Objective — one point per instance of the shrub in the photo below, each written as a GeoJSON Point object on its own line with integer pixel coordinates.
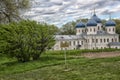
{"type": "Point", "coordinates": [25, 40]}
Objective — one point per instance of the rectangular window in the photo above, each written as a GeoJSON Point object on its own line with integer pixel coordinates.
{"type": "Point", "coordinates": [93, 40]}
{"type": "Point", "coordinates": [112, 40]}
{"type": "Point", "coordinates": [101, 40]}
{"type": "Point", "coordinates": [115, 39]}
{"type": "Point", "coordinates": [96, 40]}
{"type": "Point", "coordinates": [104, 40]}
{"type": "Point", "coordinates": [81, 42]}
{"type": "Point", "coordinates": [98, 28]}
{"type": "Point", "coordinates": [113, 29]}
{"type": "Point", "coordinates": [109, 29]}
{"type": "Point", "coordinates": [70, 43]}
{"type": "Point", "coordinates": [107, 40]}
{"type": "Point", "coordinates": [82, 30]}
{"type": "Point", "coordinates": [73, 42]}
{"type": "Point", "coordinates": [90, 29]}
{"type": "Point", "coordinates": [94, 29]}
{"type": "Point", "coordinates": [77, 42]}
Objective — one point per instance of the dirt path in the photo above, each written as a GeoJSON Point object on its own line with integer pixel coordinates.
{"type": "Point", "coordinates": [101, 55]}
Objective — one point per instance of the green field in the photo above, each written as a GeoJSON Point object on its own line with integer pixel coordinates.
{"type": "Point", "coordinates": [51, 67]}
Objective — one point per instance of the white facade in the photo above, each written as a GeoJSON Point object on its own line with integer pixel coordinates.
{"type": "Point", "coordinates": [80, 31]}
{"type": "Point", "coordinates": [92, 30]}
{"type": "Point", "coordinates": [90, 36]}
{"type": "Point", "coordinates": [110, 29]}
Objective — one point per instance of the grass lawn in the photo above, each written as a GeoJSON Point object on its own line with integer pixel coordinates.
{"type": "Point", "coordinates": [51, 67]}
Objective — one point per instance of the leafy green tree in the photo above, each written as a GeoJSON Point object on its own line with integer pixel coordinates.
{"type": "Point", "coordinates": [69, 28]}
{"type": "Point", "coordinates": [83, 20]}
{"type": "Point", "coordinates": [25, 40]}
{"type": "Point", "coordinates": [10, 10]}
{"type": "Point", "coordinates": [54, 29]}
{"type": "Point", "coordinates": [117, 26]}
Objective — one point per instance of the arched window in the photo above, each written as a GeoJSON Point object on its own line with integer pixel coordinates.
{"type": "Point", "coordinates": [101, 40]}
{"type": "Point", "coordinates": [73, 42]}
{"type": "Point", "coordinates": [90, 29]}
{"type": "Point", "coordinates": [98, 27]}
{"type": "Point", "coordinates": [113, 29]}
{"type": "Point", "coordinates": [93, 40]}
{"type": "Point", "coordinates": [77, 42]}
{"type": "Point", "coordinates": [112, 40]}
{"type": "Point", "coordinates": [70, 43]}
{"type": "Point", "coordinates": [107, 40]}
{"type": "Point", "coordinates": [96, 40]}
{"type": "Point", "coordinates": [94, 29]}
{"type": "Point", "coordinates": [104, 40]}
{"type": "Point", "coordinates": [82, 30]}
{"type": "Point", "coordinates": [81, 42]}
{"type": "Point", "coordinates": [109, 29]}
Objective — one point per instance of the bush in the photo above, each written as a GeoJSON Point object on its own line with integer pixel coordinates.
{"type": "Point", "coordinates": [25, 40]}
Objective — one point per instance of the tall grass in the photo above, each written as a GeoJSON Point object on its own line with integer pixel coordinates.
{"type": "Point", "coordinates": [77, 52]}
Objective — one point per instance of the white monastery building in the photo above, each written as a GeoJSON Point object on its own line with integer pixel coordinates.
{"type": "Point", "coordinates": [90, 35]}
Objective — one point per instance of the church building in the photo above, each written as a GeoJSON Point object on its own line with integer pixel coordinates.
{"type": "Point", "coordinates": [90, 35]}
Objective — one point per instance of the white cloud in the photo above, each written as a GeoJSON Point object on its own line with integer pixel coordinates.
{"type": "Point", "coordinates": [59, 12]}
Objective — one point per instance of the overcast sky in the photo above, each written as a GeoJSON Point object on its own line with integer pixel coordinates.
{"type": "Point", "coordinates": [59, 12]}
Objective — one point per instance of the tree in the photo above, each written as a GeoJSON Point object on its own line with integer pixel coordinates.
{"type": "Point", "coordinates": [69, 28]}
{"type": "Point", "coordinates": [54, 29]}
{"type": "Point", "coordinates": [10, 10]}
{"type": "Point", "coordinates": [117, 26]}
{"type": "Point", "coordinates": [25, 40]}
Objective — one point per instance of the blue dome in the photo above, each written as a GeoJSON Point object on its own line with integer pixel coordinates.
{"type": "Point", "coordinates": [80, 25]}
{"type": "Point", "coordinates": [91, 22]}
{"type": "Point", "coordinates": [110, 23]}
{"type": "Point", "coordinates": [96, 18]}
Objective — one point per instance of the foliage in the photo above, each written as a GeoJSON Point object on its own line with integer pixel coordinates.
{"type": "Point", "coordinates": [54, 29]}
{"type": "Point", "coordinates": [69, 28]}
{"type": "Point", "coordinates": [25, 40]}
{"type": "Point", "coordinates": [10, 10]}
{"type": "Point", "coordinates": [117, 26]}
